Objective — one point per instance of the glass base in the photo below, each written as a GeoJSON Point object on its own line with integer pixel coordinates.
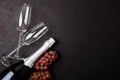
{"type": "Point", "coordinates": [4, 61]}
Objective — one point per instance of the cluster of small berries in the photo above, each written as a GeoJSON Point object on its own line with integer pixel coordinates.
{"type": "Point", "coordinates": [42, 65]}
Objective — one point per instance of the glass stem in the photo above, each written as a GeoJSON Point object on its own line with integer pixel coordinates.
{"type": "Point", "coordinates": [16, 50]}
{"type": "Point", "coordinates": [19, 44]}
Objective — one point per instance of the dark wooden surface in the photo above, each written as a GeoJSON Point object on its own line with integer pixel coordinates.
{"type": "Point", "coordinates": [87, 34]}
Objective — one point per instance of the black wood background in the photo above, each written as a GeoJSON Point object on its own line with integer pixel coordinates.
{"type": "Point", "coordinates": [87, 34]}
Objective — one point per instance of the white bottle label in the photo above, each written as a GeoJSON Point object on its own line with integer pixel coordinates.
{"type": "Point", "coordinates": [8, 76]}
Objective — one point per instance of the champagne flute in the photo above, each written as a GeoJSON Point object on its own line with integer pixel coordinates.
{"type": "Point", "coordinates": [28, 38]}
{"type": "Point", "coordinates": [24, 21]}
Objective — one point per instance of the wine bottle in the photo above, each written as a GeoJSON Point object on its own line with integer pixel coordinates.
{"type": "Point", "coordinates": [22, 69]}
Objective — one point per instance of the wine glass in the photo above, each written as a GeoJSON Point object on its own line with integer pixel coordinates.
{"type": "Point", "coordinates": [34, 34]}
{"type": "Point", "coordinates": [24, 21]}
{"type": "Point", "coordinates": [28, 38]}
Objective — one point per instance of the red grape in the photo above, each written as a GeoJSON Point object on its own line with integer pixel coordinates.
{"type": "Point", "coordinates": [42, 65]}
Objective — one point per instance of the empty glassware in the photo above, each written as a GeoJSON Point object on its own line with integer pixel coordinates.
{"type": "Point", "coordinates": [26, 37]}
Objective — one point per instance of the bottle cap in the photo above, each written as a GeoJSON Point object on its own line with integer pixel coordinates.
{"type": "Point", "coordinates": [51, 41]}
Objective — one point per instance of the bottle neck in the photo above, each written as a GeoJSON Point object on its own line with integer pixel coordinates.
{"type": "Point", "coordinates": [29, 61]}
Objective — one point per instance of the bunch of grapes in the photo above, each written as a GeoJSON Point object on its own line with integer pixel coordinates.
{"type": "Point", "coordinates": [46, 60]}
{"type": "Point", "coordinates": [42, 64]}
{"type": "Point", "coordinates": [40, 75]}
